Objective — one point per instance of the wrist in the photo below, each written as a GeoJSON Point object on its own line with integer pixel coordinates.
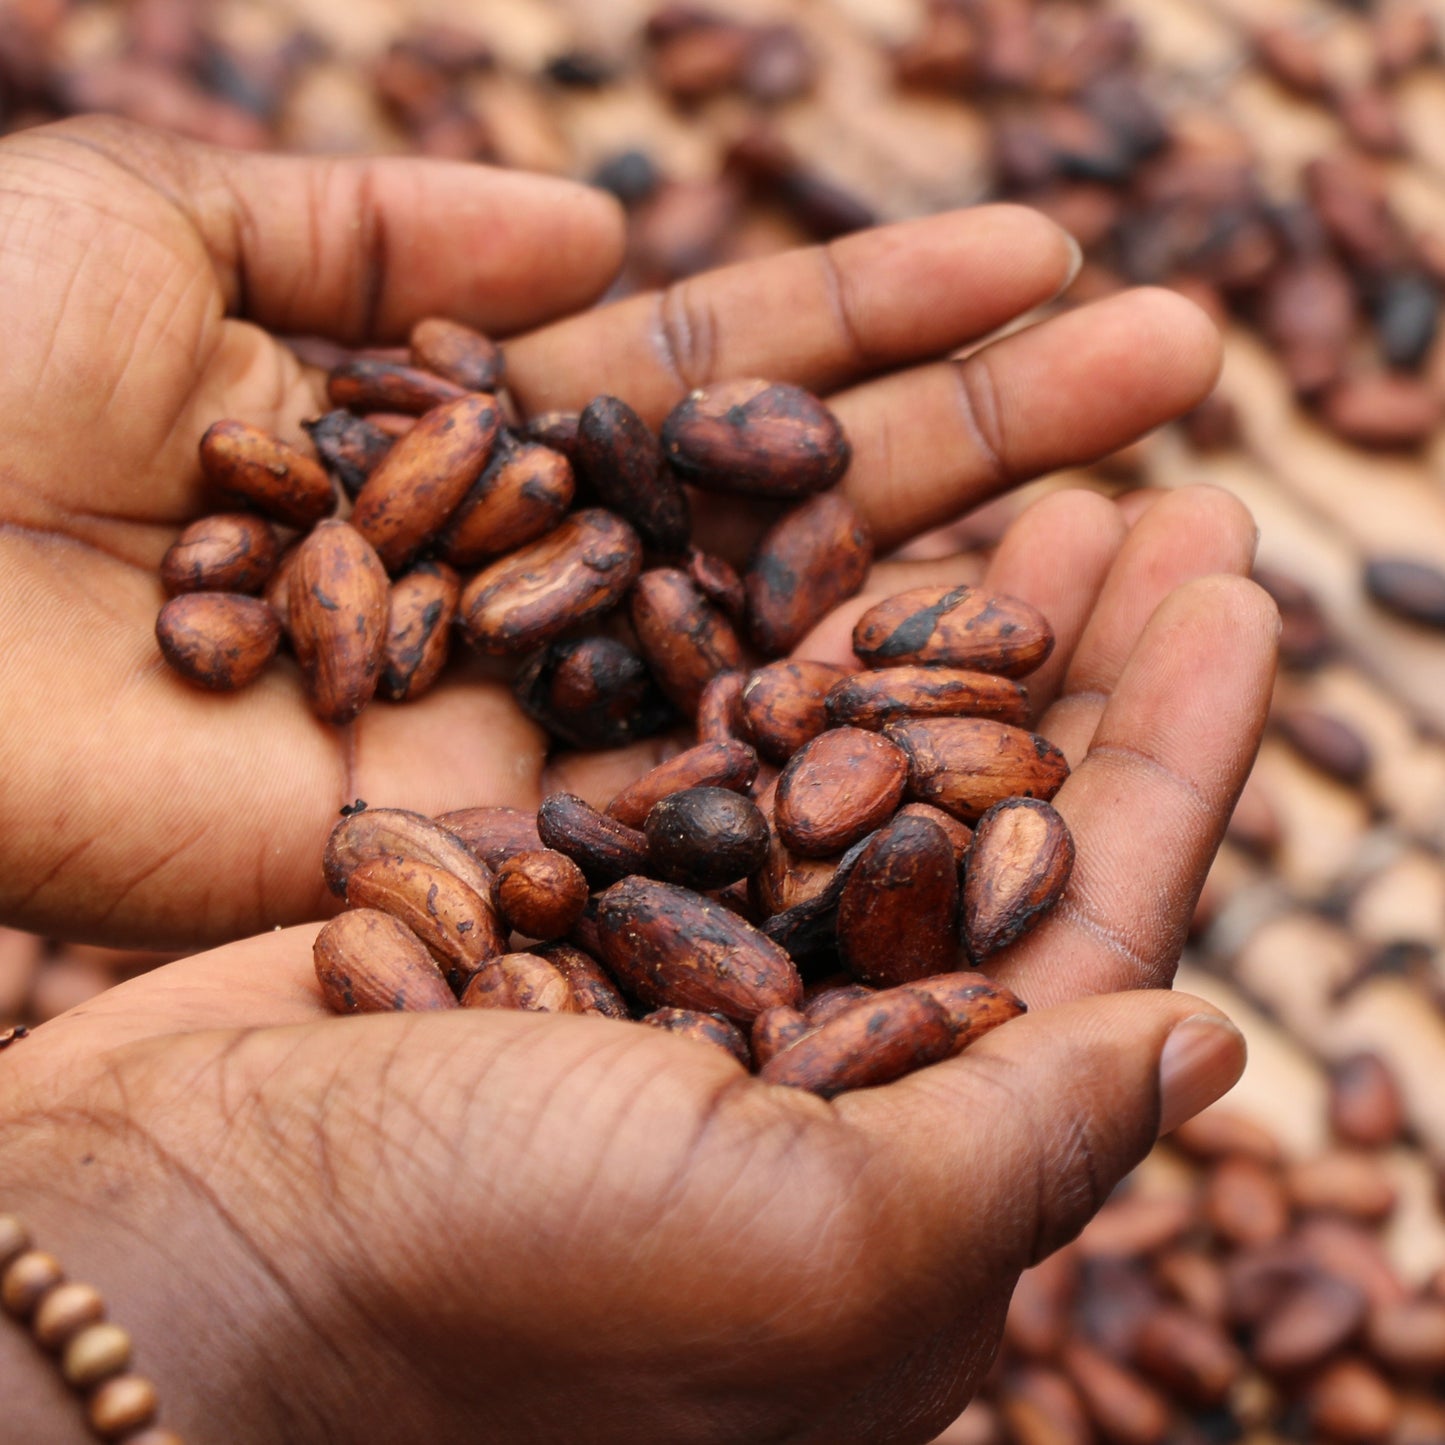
{"type": "Point", "coordinates": [217, 1336]}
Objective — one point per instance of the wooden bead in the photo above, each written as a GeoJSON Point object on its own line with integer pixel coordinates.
{"type": "Point", "coordinates": [14, 1238]}
{"type": "Point", "coordinates": [64, 1312]}
{"type": "Point", "coordinates": [122, 1405]}
{"type": "Point", "coordinates": [95, 1354]}
{"type": "Point", "coordinates": [28, 1278]}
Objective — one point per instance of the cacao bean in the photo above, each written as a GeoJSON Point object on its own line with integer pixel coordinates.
{"type": "Point", "coordinates": [1365, 1103]}
{"type": "Point", "coordinates": [218, 640]}
{"type": "Point", "coordinates": [774, 1030]}
{"type": "Point", "coordinates": [730, 765]}
{"type": "Point", "coordinates": [875, 699]}
{"type": "Point", "coordinates": [1307, 1324]}
{"type": "Point", "coordinates": [703, 1028]}
{"type": "Point", "coordinates": [783, 705]}
{"type": "Point", "coordinates": [454, 923]}
{"type": "Point", "coordinates": [592, 692]}
{"type": "Point", "coordinates": [683, 636]}
{"type": "Point", "coordinates": [457, 353]}
{"type": "Point", "coordinates": [1188, 1355]}
{"type": "Point", "coordinates": [719, 582]}
{"type": "Point", "coordinates": [523, 981]}
{"type": "Point", "coordinates": [623, 465]}
{"type": "Point", "coordinates": [838, 788]}
{"type": "Point", "coordinates": [493, 834]}
{"type": "Point", "coordinates": [877, 1040]}
{"type": "Point", "coordinates": [720, 709]}
{"type": "Point", "coordinates": [705, 837]}
{"type": "Point", "coordinates": [1340, 1181]}
{"type": "Point", "coordinates": [419, 619]}
{"type": "Point", "coordinates": [522, 494]}
{"type": "Point", "coordinates": [892, 1033]}
{"type": "Point", "coordinates": [246, 464]}
{"type": "Point", "coordinates": [805, 564]}
{"type": "Point", "coordinates": [542, 893]}
{"type": "Point", "coordinates": [368, 962]}
{"type": "Point", "coordinates": [786, 880]}
{"type": "Point", "coordinates": [397, 833]}
{"type": "Point", "coordinates": [594, 991]}
{"type": "Point", "coordinates": [229, 552]}
{"type": "Point", "coordinates": [671, 947]}
{"type": "Point", "coordinates": [898, 912]}
{"type": "Point", "coordinates": [760, 438]}
{"type": "Point", "coordinates": [603, 848]}
{"type": "Point", "coordinates": [1348, 1400]}
{"type": "Point", "coordinates": [557, 430]}
{"type": "Point", "coordinates": [337, 611]}
{"type": "Point", "coordinates": [1245, 1202]}
{"type": "Point", "coordinates": [1121, 1405]}
{"type": "Point", "coordinates": [960, 835]}
{"type": "Point", "coordinates": [421, 481]}
{"type": "Point", "coordinates": [1414, 590]}
{"type": "Point", "coordinates": [364, 384]}
{"type": "Point", "coordinates": [957, 627]}
{"type": "Point", "coordinates": [967, 765]}
{"type": "Point", "coordinates": [572, 575]}
{"type": "Point", "coordinates": [349, 446]}
{"type": "Point", "coordinates": [829, 1002]}
{"type": "Point", "coordinates": [1017, 868]}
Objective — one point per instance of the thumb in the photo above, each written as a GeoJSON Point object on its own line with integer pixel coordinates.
{"type": "Point", "coordinates": [1005, 1153]}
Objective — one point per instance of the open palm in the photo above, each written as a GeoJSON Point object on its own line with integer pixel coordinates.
{"type": "Point", "coordinates": [136, 276]}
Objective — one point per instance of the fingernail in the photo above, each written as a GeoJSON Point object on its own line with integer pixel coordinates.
{"type": "Point", "coordinates": [1203, 1058]}
{"type": "Point", "coordinates": [1076, 261]}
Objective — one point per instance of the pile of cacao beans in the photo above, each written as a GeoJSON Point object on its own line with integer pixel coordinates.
{"type": "Point", "coordinates": [1232, 1293]}
{"type": "Point", "coordinates": [826, 871]}
{"type": "Point", "coordinates": [1322, 928]}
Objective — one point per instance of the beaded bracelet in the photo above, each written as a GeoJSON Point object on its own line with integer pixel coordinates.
{"type": "Point", "coordinates": [68, 1318]}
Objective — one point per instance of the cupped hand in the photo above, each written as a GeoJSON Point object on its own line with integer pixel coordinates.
{"type": "Point", "coordinates": [486, 1225]}
{"type": "Point", "coordinates": [143, 281]}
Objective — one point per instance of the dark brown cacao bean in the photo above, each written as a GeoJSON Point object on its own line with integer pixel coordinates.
{"type": "Point", "coordinates": [875, 699]}
{"type": "Point", "coordinates": [804, 565]}
{"type": "Point", "coordinates": [783, 705]}
{"type": "Point", "coordinates": [522, 494]}
{"type": "Point", "coordinates": [623, 465]}
{"type": "Point", "coordinates": [603, 848]}
{"type": "Point", "coordinates": [573, 575]}
{"type": "Point", "coordinates": [218, 640]}
{"type": "Point", "coordinates": [229, 552]}
{"type": "Point", "coordinates": [966, 765]}
{"type": "Point", "coordinates": [705, 838]}
{"type": "Point", "coordinates": [762, 438]}
{"type": "Point", "coordinates": [592, 692]}
{"type": "Point", "coordinates": [367, 385]}
{"type": "Point", "coordinates": [419, 621]}
{"type": "Point", "coordinates": [703, 1028]}
{"type": "Point", "coordinates": [898, 913]}
{"type": "Point", "coordinates": [836, 789]}
{"type": "Point", "coordinates": [349, 446]}
{"type": "Point", "coordinates": [731, 765]}
{"type": "Point", "coordinates": [684, 637]}
{"type": "Point", "coordinates": [960, 627]}
{"type": "Point", "coordinates": [671, 947]}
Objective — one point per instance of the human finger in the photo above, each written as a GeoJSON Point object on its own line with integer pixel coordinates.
{"type": "Point", "coordinates": [821, 317]}
{"type": "Point", "coordinates": [1148, 804]}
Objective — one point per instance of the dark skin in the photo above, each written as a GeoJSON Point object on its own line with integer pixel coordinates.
{"type": "Point", "coordinates": [543, 1228]}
